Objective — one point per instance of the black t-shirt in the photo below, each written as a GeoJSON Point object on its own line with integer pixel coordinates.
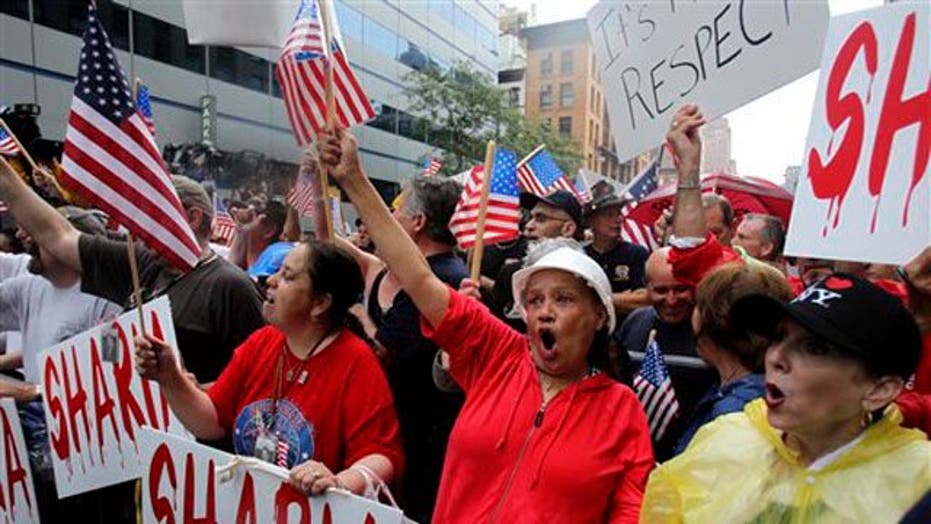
{"type": "Point", "coordinates": [215, 306]}
{"type": "Point", "coordinates": [689, 375]}
{"type": "Point", "coordinates": [497, 255]}
{"type": "Point", "coordinates": [623, 265]}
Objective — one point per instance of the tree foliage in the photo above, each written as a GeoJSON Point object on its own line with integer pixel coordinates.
{"type": "Point", "coordinates": [464, 109]}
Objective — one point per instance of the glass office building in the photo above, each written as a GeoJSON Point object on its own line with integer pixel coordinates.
{"type": "Point", "coordinates": [384, 39]}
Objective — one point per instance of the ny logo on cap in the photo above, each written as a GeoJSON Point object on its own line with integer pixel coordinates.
{"type": "Point", "coordinates": [821, 296]}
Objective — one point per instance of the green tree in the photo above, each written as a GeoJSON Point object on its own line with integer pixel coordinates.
{"type": "Point", "coordinates": [462, 109]}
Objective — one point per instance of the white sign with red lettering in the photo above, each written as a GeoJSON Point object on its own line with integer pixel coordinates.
{"type": "Point", "coordinates": [184, 481]}
{"type": "Point", "coordinates": [655, 56]}
{"type": "Point", "coordinates": [95, 402]}
{"type": "Point", "coordinates": [863, 193]}
{"type": "Point", "coordinates": [17, 494]}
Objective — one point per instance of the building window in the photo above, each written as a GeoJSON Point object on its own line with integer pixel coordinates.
{"type": "Point", "coordinates": [566, 95]}
{"type": "Point", "coordinates": [17, 8]}
{"type": "Point", "coordinates": [566, 62]}
{"type": "Point", "coordinates": [464, 22]}
{"type": "Point", "coordinates": [166, 43]}
{"type": "Point", "coordinates": [594, 66]}
{"type": "Point", "coordinates": [592, 98]}
{"type": "Point", "coordinates": [565, 126]}
{"type": "Point", "coordinates": [442, 9]}
{"type": "Point", "coordinates": [240, 68]}
{"type": "Point", "coordinates": [591, 132]}
{"type": "Point", "coordinates": [350, 20]}
{"type": "Point", "coordinates": [71, 17]}
{"type": "Point", "coordinates": [380, 38]}
{"type": "Point", "coordinates": [386, 117]}
{"type": "Point", "coordinates": [546, 97]}
{"type": "Point", "coordinates": [546, 65]}
{"type": "Point", "coordinates": [514, 96]}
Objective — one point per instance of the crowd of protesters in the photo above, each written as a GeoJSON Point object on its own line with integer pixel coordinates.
{"type": "Point", "coordinates": [380, 365]}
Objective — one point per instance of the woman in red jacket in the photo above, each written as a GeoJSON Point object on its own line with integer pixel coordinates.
{"type": "Point", "coordinates": [543, 435]}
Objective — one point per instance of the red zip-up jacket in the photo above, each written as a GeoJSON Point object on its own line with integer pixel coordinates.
{"type": "Point", "coordinates": [584, 458]}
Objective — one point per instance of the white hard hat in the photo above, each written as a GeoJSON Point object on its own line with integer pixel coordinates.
{"type": "Point", "coordinates": [580, 265]}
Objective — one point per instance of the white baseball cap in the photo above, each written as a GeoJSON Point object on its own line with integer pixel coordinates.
{"type": "Point", "coordinates": [572, 261]}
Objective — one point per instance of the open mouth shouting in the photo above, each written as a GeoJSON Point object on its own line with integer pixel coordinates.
{"type": "Point", "coordinates": [774, 396]}
{"type": "Point", "coordinates": [547, 343]}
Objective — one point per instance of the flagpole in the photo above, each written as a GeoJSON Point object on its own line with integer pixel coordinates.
{"type": "Point", "coordinates": [528, 157]}
{"type": "Point", "coordinates": [327, 225]}
{"type": "Point", "coordinates": [479, 249]}
{"type": "Point", "coordinates": [131, 251]}
{"type": "Point", "coordinates": [21, 148]}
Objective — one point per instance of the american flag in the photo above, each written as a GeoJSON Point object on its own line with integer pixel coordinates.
{"type": "Point", "coordinates": [431, 166]}
{"type": "Point", "coordinates": [145, 108]}
{"type": "Point", "coordinates": [223, 225]}
{"type": "Point", "coordinates": [642, 185]}
{"type": "Point", "coordinates": [654, 389]}
{"type": "Point", "coordinates": [301, 73]}
{"type": "Point", "coordinates": [281, 452]}
{"type": "Point", "coordinates": [539, 174]}
{"type": "Point", "coordinates": [8, 146]}
{"type": "Point", "coordinates": [503, 211]}
{"type": "Point", "coordinates": [581, 190]}
{"type": "Point", "coordinates": [111, 159]}
{"type": "Point", "coordinates": [301, 196]}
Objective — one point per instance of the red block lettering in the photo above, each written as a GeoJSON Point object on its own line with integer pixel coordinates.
{"type": "Point", "coordinates": [123, 373]}
{"type": "Point", "coordinates": [211, 511]}
{"type": "Point", "coordinates": [832, 180]}
{"type": "Point", "coordinates": [15, 473]}
{"type": "Point", "coordinates": [158, 333]}
{"type": "Point", "coordinates": [76, 399]}
{"type": "Point", "coordinates": [369, 519]}
{"type": "Point", "coordinates": [103, 404]}
{"type": "Point", "coordinates": [162, 464]}
{"type": "Point", "coordinates": [327, 513]}
{"type": "Point", "coordinates": [245, 514]}
{"type": "Point", "coordinates": [59, 438]}
{"type": "Point", "coordinates": [285, 497]}
{"type": "Point", "coordinates": [897, 114]}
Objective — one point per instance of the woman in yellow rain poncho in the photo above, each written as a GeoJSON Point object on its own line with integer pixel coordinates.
{"type": "Point", "coordinates": [825, 444]}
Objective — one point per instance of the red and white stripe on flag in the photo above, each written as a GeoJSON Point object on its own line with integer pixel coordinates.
{"type": "Point", "coordinates": [301, 73]}
{"type": "Point", "coordinates": [111, 159]}
{"type": "Point", "coordinates": [8, 146]}
{"type": "Point", "coordinates": [301, 196]}
{"type": "Point", "coordinates": [501, 218]}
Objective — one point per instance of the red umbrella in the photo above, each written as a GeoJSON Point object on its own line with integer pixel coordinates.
{"type": "Point", "coordinates": [746, 195]}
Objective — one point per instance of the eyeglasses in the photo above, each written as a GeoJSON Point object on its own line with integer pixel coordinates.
{"type": "Point", "coordinates": [543, 217]}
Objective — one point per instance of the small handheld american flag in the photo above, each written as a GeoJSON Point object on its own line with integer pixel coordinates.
{"type": "Point", "coordinates": [503, 210]}
{"type": "Point", "coordinates": [654, 389]}
{"type": "Point", "coordinates": [539, 174]}
{"type": "Point", "coordinates": [642, 185]}
{"type": "Point", "coordinates": [145, 107]}
{"type": "Point", "coordinates": [224, 227]}
{"type": "Point", "coordinates": [431, 166]}
{"type": "Point", "coordinates": [8, 146]}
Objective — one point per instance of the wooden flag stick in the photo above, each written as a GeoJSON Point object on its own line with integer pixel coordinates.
{"type": "Point", "coordinates": [479, 249]}
{"type": "Point", "coordinates": [528, 157]}
{"type": "Point", "coordinates": [131, 252]}
{"type": "Point", "coordinates": [326, 226]}
{"type": "Point", "coordinates": [22, 149]}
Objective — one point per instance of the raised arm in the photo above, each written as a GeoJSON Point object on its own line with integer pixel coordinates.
{"type": "Point", "coordinates": [47, 227]}
{"type": "Point", "coordinates": [689, 216]}
{"type": "Point", "coordinates": [339, 153]}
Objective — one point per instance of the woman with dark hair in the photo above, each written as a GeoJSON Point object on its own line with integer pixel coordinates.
{"type": "Point", "coordinates": [543, 434]}
{"type": "Point", "coordinates": [305, 379]}
{"type": "Point", "coordinates": [735, 353]}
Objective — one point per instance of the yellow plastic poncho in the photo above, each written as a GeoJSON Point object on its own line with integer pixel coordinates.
{"type": "Point", "coordinates": [737, 469]}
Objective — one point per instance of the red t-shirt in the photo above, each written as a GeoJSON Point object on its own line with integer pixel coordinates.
{"type": "Point", "coordinates": [586, 460]}
{"type": "Point", "coordinates": [342, 412]}
{"type": "Point", "coordinates": [690, 265]}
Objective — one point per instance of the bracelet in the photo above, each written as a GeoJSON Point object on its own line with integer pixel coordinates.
{"type": "Point", "coordinates": [693, 185]}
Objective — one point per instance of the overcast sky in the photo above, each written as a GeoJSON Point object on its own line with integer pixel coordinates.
{"type": "Point", "coordinates": [784, 113]}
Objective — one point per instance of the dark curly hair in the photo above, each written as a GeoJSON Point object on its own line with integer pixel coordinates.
{"type": "Point", "coordinates": [333, 271]}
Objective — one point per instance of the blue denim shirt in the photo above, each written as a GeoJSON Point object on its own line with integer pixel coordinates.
{"type": "Point", "coordinates": [722, 400]}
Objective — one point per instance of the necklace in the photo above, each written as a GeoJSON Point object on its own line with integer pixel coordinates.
{"type": "Point", "coordinates": [292, 372]}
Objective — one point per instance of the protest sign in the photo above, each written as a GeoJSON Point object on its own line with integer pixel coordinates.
{"type": "Point", "coordinates": [863, 193]}
{"type": "Point", "coordinates": [655, 56]}
{"type": "Point", "coordinates": [95, 402]}
{"type": "Point", "coordinates": [184, 481]}
{"type": "Point", "coordinates": [17, 493]}
{"type": "Point", "coordinates": [242, 23]}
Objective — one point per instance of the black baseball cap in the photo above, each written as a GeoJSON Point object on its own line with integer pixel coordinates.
{"type": "Point", "coordinates": [850, 313]}
{"type": "Point", "coordinates": [560, 199]}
